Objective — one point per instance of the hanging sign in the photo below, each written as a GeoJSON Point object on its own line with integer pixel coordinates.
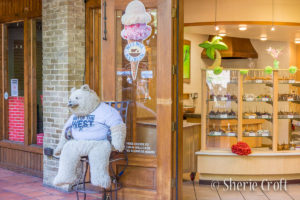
{"type": "Point", "coordinates": [134, 52]}
{"type": "Point", "coordinates": [14, 87]}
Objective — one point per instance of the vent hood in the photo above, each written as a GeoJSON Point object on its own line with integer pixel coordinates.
{"type": "Point", "coordinates": [238, 48]}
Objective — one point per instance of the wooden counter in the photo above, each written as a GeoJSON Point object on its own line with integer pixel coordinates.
{"type": "Point", "coordinates": [218, 165]}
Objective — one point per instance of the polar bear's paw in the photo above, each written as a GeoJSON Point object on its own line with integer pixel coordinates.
{"type": "Point", "coordinates": [103, 181]}
{"type": "Point", "coordinates": [59, 181]}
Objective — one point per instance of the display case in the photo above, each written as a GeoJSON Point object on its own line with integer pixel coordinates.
{"type": "Point", "coordinates": [257, 108]}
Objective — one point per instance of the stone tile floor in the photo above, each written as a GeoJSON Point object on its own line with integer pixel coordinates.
{"type": "Point", "coordinates": [205, 192]}
{"type": "Point", "coordinates": [15, 186]}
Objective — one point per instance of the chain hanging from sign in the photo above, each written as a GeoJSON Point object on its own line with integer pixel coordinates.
{"type": "Point", "coordinates": [135, 31]}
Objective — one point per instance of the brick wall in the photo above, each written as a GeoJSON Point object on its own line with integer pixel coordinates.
{"type": "Point", "coordinates": [63, 68]}
{"type": "Point", "coordinates": [16, 118]}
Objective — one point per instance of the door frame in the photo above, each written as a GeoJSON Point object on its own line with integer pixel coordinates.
{"type": "Point", "coordinates": [29, 155]}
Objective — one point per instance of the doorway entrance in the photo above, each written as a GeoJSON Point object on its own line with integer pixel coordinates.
{"type": "Point", "coordinates": [21, 102]}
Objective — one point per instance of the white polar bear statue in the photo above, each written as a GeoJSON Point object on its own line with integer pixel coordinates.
{"type": "Point", "coordinates": [92, 122]}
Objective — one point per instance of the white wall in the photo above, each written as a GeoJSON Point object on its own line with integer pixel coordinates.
{"type": "Point", "coordinates": [196, 64]}
{"type": "Point", "coordinates": [241, 10]}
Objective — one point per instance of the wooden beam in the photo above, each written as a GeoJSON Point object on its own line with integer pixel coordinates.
{"type": "Point", "coordinates": [275, 110]}
{"type": "Point", "coordinates": [33, 82]}
{"type": "Point", "coordinates": [240, 107]}
{"type": "Point", "coordinates": [27, 87]}
{"type": "Point", "coordinates": [108, 57]}
{"type": "Point", "coordinates": [4, 82]}
{"type": "Point", "coordinates": [164, 99]}
{"type": "Point", "coordinates": [204, 107]}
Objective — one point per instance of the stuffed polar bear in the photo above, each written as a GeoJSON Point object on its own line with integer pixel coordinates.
{"type": "Point", "coordinates": [92, 122]}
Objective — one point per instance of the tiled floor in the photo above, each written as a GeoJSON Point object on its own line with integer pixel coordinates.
{"type": "Point", "coordinates": [15, 186]}
{"type": "Point", "coordinates": [205, 192]}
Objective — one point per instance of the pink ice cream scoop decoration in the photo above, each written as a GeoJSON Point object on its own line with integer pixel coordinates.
{"type": "Point", "coordinates": [135, 30]}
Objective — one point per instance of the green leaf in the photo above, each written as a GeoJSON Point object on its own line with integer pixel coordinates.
{"type": "Point", "coordinates": [220, 46]}
{"type": "Point", "coordinates": [205, 45]}
{"type": "Point", "coordinates": [210, 52]}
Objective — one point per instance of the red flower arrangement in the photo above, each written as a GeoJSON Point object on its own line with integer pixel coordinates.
{"type": "Point", "coordinates": [241, 148]}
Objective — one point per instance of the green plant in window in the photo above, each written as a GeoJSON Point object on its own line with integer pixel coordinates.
{"type": "Point", "coordinates": [212, 49]}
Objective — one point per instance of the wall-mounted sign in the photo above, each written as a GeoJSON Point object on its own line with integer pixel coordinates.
{"type": "Point", "coordinates": [134, 52]}
{"type": "Point", "coordinates": [14, 87]}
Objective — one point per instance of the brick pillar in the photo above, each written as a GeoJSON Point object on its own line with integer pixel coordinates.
{"type": "Point", "coordinates": [63, 68]}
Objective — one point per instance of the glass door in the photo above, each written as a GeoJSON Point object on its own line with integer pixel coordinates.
{"type": "Point", "coordinates": [147, 84]}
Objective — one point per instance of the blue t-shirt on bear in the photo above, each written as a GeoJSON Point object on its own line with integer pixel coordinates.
{"type": "Point", "coordinates": [96, 125]}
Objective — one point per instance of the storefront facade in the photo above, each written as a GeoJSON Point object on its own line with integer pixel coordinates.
{"type": "Point", "coordinates": [81, 43]}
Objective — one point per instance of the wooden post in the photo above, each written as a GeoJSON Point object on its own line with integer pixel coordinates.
{"type": "Point", "coordinates": [275, 110]}
{"type": "Point", "coordinates": [204, 111]}
{"type": "Point", "coordinates": [240, 108]}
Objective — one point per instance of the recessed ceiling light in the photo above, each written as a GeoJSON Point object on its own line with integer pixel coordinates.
{"type": "Point", "coordinates": [217, 28]}
{"type": "Point", "coordinates": [222, 34]}
{"type": "Point", "coordinates": [273, 28]}
{"type": "Point", "coordinates": [263, 38]}
{"type": "Point", "coordinates": [297, 41]}
{"type": "Point", "coordinates": [242, 27]}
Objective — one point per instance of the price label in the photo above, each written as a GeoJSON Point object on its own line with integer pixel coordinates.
{"type": "Point", "coordinates": [265, 116]}
{"type": "Point", "coordinates": [223, 116]}
{"type": "Point", "coordinates": [217, 133]}
{"type": "Point", "coordinates": [290, 99]}
{"type": "Point", "coordinates": [252, 117]}
{"type": "Point", "coordinates": [224, 98]}
{"type": "Point", "coordinates": [259, 81]}
{"type": "Point", "coordinates": [265, 134]}
{"type": "Point", "coordinates": [231, 134]}
{"type": "Point", "coordinates": [265, 99]}
{"type": "Point", "coordinates": [292, 81]}
{"type": "Point", "coordinates": [290, 116]}
{"type": "Point", "coordinates": [252, 134]}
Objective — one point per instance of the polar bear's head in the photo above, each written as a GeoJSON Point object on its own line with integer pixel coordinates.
{"type": "Point", "coordinates": [83, 101]}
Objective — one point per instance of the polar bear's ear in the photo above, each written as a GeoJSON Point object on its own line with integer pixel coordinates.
{"type": "Point", "coordinates": [73, 89]}
{"type": "Point", "coordinates": [85, 87]}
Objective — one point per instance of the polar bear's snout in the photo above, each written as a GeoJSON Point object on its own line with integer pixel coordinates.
{"type": "Point", "coordinates": [72, 104]}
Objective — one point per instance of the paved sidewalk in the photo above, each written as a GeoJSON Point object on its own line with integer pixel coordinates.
{"type": "Point", "coordinates": [15, 186]}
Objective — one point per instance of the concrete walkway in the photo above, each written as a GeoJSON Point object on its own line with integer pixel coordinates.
{"type": "Point", "coordinates": [15, 186]}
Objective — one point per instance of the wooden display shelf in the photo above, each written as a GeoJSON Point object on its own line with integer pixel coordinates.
{"type": "Point", "coordinates": [234, 122]}
{"type": "Point", "coordinates": [239, 122]}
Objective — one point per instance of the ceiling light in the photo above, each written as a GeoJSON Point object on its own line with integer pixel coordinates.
{"type": "Point", "coordinates": [242, 27]}
{"type": "Point", "coordinates": [222, 34]}
{"type": "Point", "coordinates": [273, 28]}
{"type": "Point", "coordinates": [263, 38]}
{"type": "Point", "coordinates": [297, 41]}
{"type": "Point", "coordinates": [217, 28]}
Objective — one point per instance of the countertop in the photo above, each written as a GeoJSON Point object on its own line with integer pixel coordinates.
{"type": "Point", "coordinates": [228, 153]}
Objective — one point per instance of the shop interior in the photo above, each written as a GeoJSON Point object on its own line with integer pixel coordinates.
{"type": "Point", "coordinates": [250, 100]}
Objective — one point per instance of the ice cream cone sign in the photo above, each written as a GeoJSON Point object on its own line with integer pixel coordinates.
{"type": "Point", "coordinates": [135, 31]}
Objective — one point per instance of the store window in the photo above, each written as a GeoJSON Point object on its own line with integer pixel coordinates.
{"type": "Point", "coordinates": [15, 92]}
{"type": "Point", "coordinates": [141, 92]}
